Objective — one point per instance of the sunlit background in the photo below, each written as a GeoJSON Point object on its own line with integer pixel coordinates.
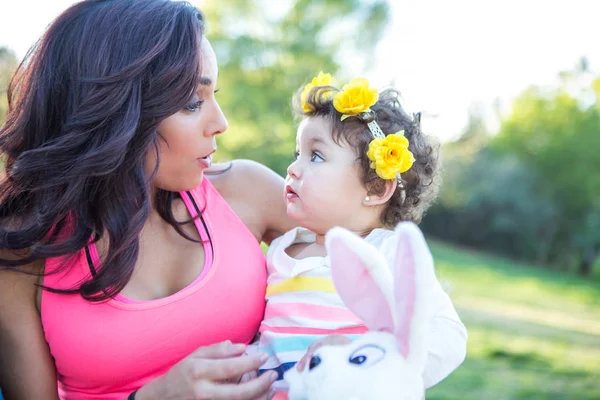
{"type": "Point", "coordinates": [512, 90]}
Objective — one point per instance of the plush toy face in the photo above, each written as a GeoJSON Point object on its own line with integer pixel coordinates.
{"type": "Point", "coordinates": [334, 371]}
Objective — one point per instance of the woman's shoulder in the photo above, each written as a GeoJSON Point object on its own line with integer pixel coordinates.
{"type": "Point", "coordinates": [26, 355]}
{"type": "Point", "coordinates": [242, 175]}
{"type": "Point", "coordinates": [255, 193]}
{"type": "Point", "coordinates": [20, 285]}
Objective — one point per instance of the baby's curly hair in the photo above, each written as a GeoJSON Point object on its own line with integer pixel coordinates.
{"type": "Point", "coordinates": [421, 182]}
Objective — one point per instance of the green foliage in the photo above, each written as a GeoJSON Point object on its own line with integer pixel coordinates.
{"type": "Point", "coordinates": [499, 210]}
{"type": "Point", "coordinates": [8, 64]}
{"type": "Point", "coordinates": [558, 137]}
{"type": "Point", "coordinates": [266, 52]}
{"type": "Point", "coordinates": [532, 191]}
{"type": "Point", "coordinates": [556, 133]}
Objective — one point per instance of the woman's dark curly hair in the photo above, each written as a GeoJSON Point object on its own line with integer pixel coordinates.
{"type": "Point", "coordinates": [421, 181]}
{"type": "Point", "coordinates": [84, 107]}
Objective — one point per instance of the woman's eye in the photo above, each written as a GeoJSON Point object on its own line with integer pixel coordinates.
{"type": "Point", "coordinates": [194, 106]}
{"type": "Point", "coordinates": [366, 356]}
{"type": "Point", "coordinates": [316, 157]}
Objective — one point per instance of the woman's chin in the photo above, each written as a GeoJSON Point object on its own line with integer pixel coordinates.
{"type": "Point", "coordinates": [181, 185]}
{"type": "Point", "coordinates": [193, 184]}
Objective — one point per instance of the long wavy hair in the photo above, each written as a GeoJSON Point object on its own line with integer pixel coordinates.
{"type": "Point", "coordinates": [84, 106]}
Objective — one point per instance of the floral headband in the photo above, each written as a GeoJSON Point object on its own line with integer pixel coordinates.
{"type": "Point", "coordinates": [389, 154]}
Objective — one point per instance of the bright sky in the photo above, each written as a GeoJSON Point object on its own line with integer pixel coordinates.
{"type": "Point", "coordinates": [449, 54]}
{"type": "Point", "coordinates": [444, 55]}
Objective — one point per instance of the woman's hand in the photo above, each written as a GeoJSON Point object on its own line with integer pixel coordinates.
{"type": "Point", "coordinates": [331, 340]}
{"type": "Point", "coordinates": [205, 375]}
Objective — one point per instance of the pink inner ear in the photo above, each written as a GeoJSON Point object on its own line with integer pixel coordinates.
{"type": "Point", "coordinates": [357, 288]}
{"type": "Point", "coordinates": [405, 292]}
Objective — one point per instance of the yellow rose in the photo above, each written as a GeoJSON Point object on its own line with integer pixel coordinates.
{"type": "Point", "coordinates": [319, 80]}
{"type": "Point", "coordinates": [355, 97]}
{"type": "Point", "coordinates": [390, 156]}
{"type": "Point", "coordinates": [322, 80]}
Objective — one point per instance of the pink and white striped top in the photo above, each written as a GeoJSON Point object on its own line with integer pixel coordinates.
{"type": "Point", "coordinates": [303, 306]}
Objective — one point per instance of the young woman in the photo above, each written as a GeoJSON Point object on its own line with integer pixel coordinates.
{"type": "Point", "coordinates": [124, 271]}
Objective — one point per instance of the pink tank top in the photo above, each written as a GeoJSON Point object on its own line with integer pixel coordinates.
{"type": "Point", "coordinates": [107, 350]}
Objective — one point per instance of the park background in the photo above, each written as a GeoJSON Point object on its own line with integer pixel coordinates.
{"type": "Point", "coordinates": [512, 91]}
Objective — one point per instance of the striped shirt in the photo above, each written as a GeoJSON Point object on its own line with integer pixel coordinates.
{"type": "Point", "coordinates": [302, 303]}
{"type": "Point", "coordinates": [303, 306]}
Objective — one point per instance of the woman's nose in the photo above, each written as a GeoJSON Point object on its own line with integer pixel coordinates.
{"type": "Point", "coordinates": [219, 123]}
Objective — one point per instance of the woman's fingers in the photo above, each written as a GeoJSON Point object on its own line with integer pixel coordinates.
{"type": "Point", "coordinates": [252, 389]}
{"type": "Point", "coordinates": [228, 368]}
{"type": "Point", "coordinates": [224, 349]}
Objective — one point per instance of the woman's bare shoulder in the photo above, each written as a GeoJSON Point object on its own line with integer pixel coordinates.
{"type": "Point", "coordinates": [255, 192]}
{"type": "Point", "coordinates": [239, 175]}
{"type": "Point", "coordinates": [20, 284]}
{"type": "Point", "coordinates": [26, 361]}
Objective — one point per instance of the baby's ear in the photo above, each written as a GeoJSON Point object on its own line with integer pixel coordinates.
{"type": "Point", "coordinates": [362, 278]}
{"type": "Point", "coordinates": [388, 191]}
{"type": "Point", "coordinates": [413, 275]}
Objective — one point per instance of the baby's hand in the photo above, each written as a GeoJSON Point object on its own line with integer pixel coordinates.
{"type": "Point", "coordinates": [331, 340]}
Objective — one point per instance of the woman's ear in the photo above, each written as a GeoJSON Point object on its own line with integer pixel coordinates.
{"type": "Point", "coordinates": [389, 187]}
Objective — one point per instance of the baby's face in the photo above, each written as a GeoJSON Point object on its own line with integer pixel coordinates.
{"type": "Point", "coordinates": [323, 186]}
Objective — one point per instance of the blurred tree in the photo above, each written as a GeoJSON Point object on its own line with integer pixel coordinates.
{"type": "Point", "coordinates": [267, 49]}
{"type": "Point", "coordinates": [8, 64]}
{"type": "Point", "coordinates": [556, 133]}
{"type": "Point", "coordinates": [532, 191]}
{"type": "Point", "coordinates": [488, 198]}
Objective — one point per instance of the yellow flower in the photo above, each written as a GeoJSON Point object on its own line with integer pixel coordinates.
{"type": "Point", "coordinates": [322, 80]}
{"type": "Point", "coordinates": [355, 97]}
{"type": "Point", "coordinates": [319, 80]}
{"type": "Point", "coordinates": [390, 156]}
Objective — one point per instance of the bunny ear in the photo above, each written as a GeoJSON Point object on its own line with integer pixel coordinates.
{"type": "Point", "coordinates": [362, 278]}
{"type": "Point", "coordinates": [413, 271]}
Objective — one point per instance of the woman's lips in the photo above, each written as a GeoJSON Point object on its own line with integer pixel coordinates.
{"type": "Point", "coordinates": [206, 161]}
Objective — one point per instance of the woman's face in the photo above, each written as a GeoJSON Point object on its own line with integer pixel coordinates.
{"type": "Point", "coordinates": [187, 138]}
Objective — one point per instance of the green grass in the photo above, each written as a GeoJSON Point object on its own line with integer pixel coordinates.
{"type": "Point", "coordinates": [533, 333]}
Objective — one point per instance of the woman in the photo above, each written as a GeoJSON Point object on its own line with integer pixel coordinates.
{"type": "Point", "coordinates": [121, 264]}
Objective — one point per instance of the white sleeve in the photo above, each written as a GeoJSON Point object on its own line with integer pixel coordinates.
{"type": "Point", "coordinates": [447, 339]}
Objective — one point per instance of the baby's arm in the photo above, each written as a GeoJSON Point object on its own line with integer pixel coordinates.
{"type": "Point", "coordinates": [447, 338]}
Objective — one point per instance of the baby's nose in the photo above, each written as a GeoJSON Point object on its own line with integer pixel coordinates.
{"type": "Point", "coordinates": [314, 361]}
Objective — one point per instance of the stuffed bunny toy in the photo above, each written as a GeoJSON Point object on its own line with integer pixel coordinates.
{"type": "Point", "coordinates": [388, 361]}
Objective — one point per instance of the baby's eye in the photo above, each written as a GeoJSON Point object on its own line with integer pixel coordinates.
{"type": "Point", "coordinates": [316, 157]}
{"type": "Point", "coordinates": [367, 356]}
{"type": "Point", "coordinates": [296, 155]}
{"type": "Point", "coordinates": [194, 106]}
